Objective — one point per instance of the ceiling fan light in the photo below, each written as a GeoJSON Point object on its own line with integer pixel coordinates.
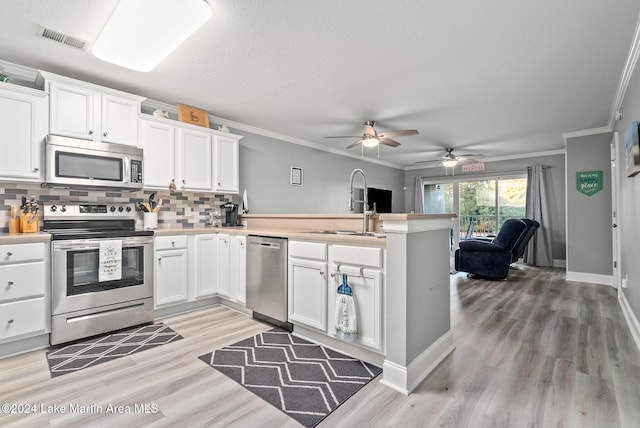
{"type": "Point", "coordinates": [141, 33]}
{"type": "Point", "coordinates": [370, 142]}
{"type": "Point", "coordinates": [449, 163]}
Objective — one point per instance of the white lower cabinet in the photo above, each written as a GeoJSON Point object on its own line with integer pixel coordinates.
{"type": "Point", "coordinates": [171, 271]}
{"type": "Point", "coordinates": [23, 291]}
{"type": "Point", "coordinates": [204, 250]}
{"type": "Point", "coordinates": [308, 293]}
{"type": "Point", "coordinates": [238, 269]}
{"type": "Point", "coordinates": [315, 272]}
{"type": "Point", "coordinates": [222, 265]}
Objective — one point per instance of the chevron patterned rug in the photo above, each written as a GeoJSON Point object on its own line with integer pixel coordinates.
{"type": "Point", "coordinates": [305, 380]}
{"type": "Point", "coordinates": [100, 349]}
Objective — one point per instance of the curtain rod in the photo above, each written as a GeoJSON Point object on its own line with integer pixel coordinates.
{"type": "Point", "coordinates": [484, 173]}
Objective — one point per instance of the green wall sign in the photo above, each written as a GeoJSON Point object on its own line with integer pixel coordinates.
{"type": "Point", "coordinates": [589, 182]}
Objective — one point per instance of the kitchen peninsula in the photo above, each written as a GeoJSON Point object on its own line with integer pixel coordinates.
{"type": "Point", "coordinates": [412, 275]}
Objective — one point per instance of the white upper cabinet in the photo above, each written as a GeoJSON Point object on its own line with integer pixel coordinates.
{"type": "Point", "coordinates": [226, 164]}
{"type": "Point", "coordinates": [195, 160]}
{"type": "Point", "coordinates": [83, 110]}
{"type": "Point", "coordinates": [158, 142]}
{"type": "Point", "coordinates": [23, 127]}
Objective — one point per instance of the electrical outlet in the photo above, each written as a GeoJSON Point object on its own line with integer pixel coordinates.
{"type": "Point", "coordinates": [187, 211]}
{"type": "Point", "coordinates": [625, 281]}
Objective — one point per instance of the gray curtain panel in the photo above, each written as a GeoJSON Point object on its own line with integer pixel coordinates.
{"type": "Point", "coordinates": [419, 196]}
{"type": "Point", "coordinates": [538, 252]}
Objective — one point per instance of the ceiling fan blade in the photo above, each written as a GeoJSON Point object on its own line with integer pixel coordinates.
{"type": "Point", "coordinates": [467, 161]}
{"type": "Point", "coordinates": [389, 142]}
{"type": "Point", "coordinates": [404, 133]}
{"type": "Point", "coordinates": [431, 161]}
{"type": "Point", "coordinates": [368, 129]}
{"type": "Point", "coordinates": [479, 155]}
{"type": "Point", "coordinates": [346, 136]}
{"type": "Point", "coordinates": [353, 145]}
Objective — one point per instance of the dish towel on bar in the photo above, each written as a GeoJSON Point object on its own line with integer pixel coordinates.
{"type": "Point", "coordinates": [110, 263]}
{"type": "Point", "coordinates": [346, 320]}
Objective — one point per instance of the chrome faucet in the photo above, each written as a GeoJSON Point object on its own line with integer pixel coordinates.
{"type": "Point", "coordinates": [364, 201]}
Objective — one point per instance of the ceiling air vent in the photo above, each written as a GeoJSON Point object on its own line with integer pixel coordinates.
{"type": "Point", "coordinates": [59, 37]}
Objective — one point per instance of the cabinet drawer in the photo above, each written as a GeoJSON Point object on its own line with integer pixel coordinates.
{"type": "Point", "coordinates": [171, 242]}
{"type": "Point", "coordinates": [22, 252]}
{"type": "Point", "coordinates": [363, 256]}
{"type": "Point", "coordinates": [22, 280]}
{"type": "Point", "coordinates": [23, 317]}
{"type": "Point", "coordinates": [308, 250]}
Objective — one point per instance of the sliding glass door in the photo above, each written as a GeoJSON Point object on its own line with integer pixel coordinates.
{"type": "Point", "coordinates": [482, 205]}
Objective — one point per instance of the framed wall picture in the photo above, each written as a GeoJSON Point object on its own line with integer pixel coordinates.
{"type": "Point", "coordinates": [296, 176]}
{"type": "Point", "coordinates": [632, 149]}
{"type": "Point", "coordinates": [192, 115]}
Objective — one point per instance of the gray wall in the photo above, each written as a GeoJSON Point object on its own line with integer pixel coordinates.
{"type": "Point", "coordinates": [555, 177]}
{"type": "Point", "coordinates": [629, 202]}
{"type": "Point", "coordinates": [589, 246]}
{"type": "Point", "coordinates": [265, 169]}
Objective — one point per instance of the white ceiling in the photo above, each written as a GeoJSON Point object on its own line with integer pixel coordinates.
{"type": "Point", "coordinates": [495, 77]}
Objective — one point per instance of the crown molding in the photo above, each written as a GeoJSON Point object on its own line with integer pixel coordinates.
{"type": "Point", "coordinates": [19, 71]}
{"type": "Point", "coordinates": [585, 133]}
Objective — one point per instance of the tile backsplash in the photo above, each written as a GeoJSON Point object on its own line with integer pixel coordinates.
{"type": "Point", "coordinates": [180, 210]}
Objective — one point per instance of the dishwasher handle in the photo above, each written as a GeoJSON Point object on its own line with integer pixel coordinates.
{"type": "Point", "coordinates": [271, 245]}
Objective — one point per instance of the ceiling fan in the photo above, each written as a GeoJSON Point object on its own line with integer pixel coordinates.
{"type": "Point", "coordinates": [371, 138]}
{"type": "Point", "coordinates": [450, 160]}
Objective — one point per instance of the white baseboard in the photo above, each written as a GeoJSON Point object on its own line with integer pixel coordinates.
{"type": "Point", "coordinates": [591, 278]}
{"type": "Point", "coordinates": [629, 316]}
{"type": "Point", "coordinates": [406, 379]}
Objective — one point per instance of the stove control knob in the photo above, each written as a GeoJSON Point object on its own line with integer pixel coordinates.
{"type": "Point", "coordinates": [63, 208]}
{"type": "Point", "coordinates": [112, 209]}
{"type": "Point", "coordinates": [120, 209]}
{"type": "Point", "coordinates": [53, 208]}
{"type": "Point", "coordinates": [128, 209]}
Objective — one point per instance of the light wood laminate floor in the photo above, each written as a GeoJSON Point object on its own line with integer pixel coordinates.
{"type": "Point", "coordinates": [534, 350]}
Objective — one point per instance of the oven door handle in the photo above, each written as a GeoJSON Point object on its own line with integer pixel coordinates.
{"type": "Point", "coordinates": [75, 247]}
{"type": "Point", "coordinates": [94, 245]}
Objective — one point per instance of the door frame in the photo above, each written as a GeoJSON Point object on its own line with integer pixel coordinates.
{"type": "Point", "coordinates": [616, 249]}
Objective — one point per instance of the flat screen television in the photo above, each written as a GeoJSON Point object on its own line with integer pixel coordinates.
{"type": "Point", "coordinates": [382, 199]}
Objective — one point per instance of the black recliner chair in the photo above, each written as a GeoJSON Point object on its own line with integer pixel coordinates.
{"type": "Point", "coordinates": [523, 241]}
{"type": "Point", "coordinates": [491, 259]}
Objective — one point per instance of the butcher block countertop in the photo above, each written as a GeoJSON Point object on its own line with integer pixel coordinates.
{"type": "Point", "coordinates": [24, 238]}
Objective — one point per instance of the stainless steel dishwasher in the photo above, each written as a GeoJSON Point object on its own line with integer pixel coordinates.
{"type": "Point", "coordinates": [267, 279]}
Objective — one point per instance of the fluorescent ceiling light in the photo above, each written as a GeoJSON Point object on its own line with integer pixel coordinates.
{"type": "Point", "coordinates": [370, 141]}
{"type": "Point", "coordinates": [141, 33]}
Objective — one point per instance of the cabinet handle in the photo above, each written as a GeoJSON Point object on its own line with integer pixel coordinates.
{"type": "Point", "coordinates": [9, 284]}
{"type": "Point", "coordinates": [36, 169]}
{"type": "Point", "coordinates": [104, 134]}
{"type": "Point", "coordinates": [10, 321]}
{"type": "Point", "coordinates": [321, 273]}
{"type": "Point", "coordinates": [219, 184]}
{"type": "Point", "coordinates": [159, 259]}
{"type": "Point", "coordinates": [9, 254]}
{"type": "Point", "coordinates": [90, 132]}
{"type": "Point", "coordinates": [173, 244]}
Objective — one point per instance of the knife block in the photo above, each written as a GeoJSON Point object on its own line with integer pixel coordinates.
{"type": "Point", "coordinates": [25, 226]}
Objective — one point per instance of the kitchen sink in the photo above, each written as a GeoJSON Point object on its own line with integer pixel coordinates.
{"type": "Point", "coordinates": [347, 232]}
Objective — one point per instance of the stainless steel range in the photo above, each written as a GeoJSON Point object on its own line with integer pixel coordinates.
{"type": "Point", "coordinates": [101, 269]}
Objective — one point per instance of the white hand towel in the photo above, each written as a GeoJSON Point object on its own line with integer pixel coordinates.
{"type": "Point", "coordinates": [110, 263]}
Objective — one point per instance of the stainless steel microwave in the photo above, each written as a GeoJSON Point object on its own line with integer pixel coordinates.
{"type": "Point", "coordinates": [82, 164]}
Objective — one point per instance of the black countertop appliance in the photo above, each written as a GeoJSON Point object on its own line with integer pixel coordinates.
{"type": "Point", "coordinates": [229, 214]}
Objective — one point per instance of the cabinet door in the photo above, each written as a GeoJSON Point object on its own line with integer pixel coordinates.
{"type": "Point", "coordinates": [367, 294]}
{"type": "Point", "coordinates": [120, 120]}
{"type": "Point", "coordinates": [195, 160]}
{"type": "Point", "coordinates": [159, 146]}
{"type": "Point", "coordinates": [226, 170]}
{"type": "Point", "coordinates": [73, 112]}
{"type": "Point", "coordinates": [238, 269]}
{"type": "Point", "coordinates": [205, 266]}
{"type": "Point", "coordinates": [222, 262]}
{"type": "Point", "coordinates": [307, 300]}
{"type": "Point", "coordinates": [170, 279]}
{"type": "Point", "coordinates": [23, 119]}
